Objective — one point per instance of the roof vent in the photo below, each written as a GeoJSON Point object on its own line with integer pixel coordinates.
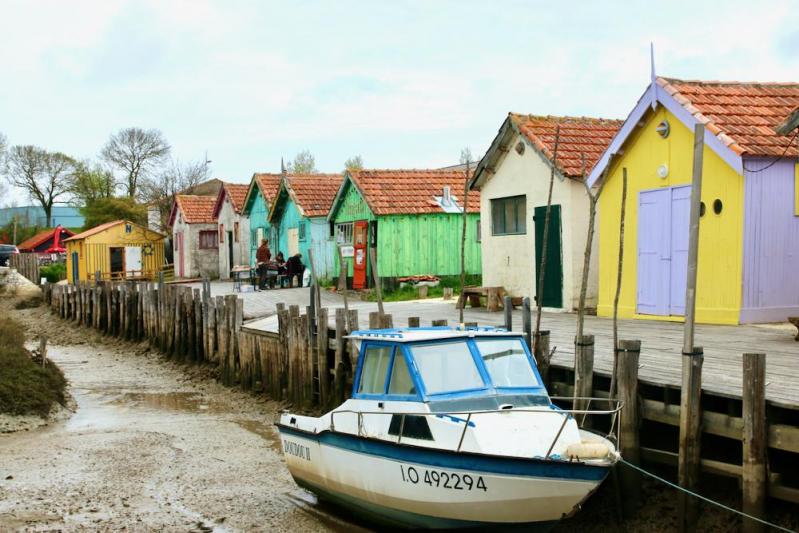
{"type": "Point", "coordinates": [446, 198]}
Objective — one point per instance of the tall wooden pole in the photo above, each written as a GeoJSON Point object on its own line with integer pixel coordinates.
{"type": "Point", "coordinates": [690, 395]}
{"type": "Point", "coordinates": [539, 296]}
{"type": "Point", "coordinates": [619, 270]}
{"type": "Point", "coordinates": [463, 244]}
{"type": "Point", "coordinates": [378, 286]}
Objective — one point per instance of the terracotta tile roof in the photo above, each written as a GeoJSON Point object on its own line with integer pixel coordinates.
{"type": "Point", "coordinates": [195, 209]}
{"type": "Point", "coordinates": [268, 184]}
{"type": "Point", "coordinates": [394, 192]}
{"type": "Point", "coordinates": [578, 136]}
{"type": "Point", "coordinates": [314, 193]}
{"type": "Point", "coordinates": [237, 192]}
{"type": "Point", "coordinates": [40, 238]}
{"type": "Point", "coordinates": [744, 116]}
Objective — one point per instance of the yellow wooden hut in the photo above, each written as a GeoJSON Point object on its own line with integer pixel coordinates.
{"type": "Point", "coordinates": [118, 250]}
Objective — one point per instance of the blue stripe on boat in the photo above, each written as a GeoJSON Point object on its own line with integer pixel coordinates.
{"type": "Point", "coordinates": [456, 460]}
{"type": "Point", "coordinates": [394, 517]}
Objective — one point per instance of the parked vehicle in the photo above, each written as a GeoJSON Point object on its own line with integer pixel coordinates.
{"type": "Point", "coordinates": [449, 428]}
{"type": "Point", "coordinates": [6, 251]}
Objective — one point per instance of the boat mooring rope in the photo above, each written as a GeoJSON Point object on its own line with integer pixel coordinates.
{"type": "Point", "coordinates": [703, 498]}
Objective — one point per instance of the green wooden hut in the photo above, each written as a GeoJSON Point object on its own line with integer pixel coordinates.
{"type": "Point", "coordinates": [260, 195]}
{"type": "Point", "coordinates": [412, 218]}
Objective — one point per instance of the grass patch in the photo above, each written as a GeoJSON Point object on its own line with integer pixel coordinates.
{"type": "Point", "coordinates": [412, 293]}
{"type": "Point", "coordinates": [25, 387]}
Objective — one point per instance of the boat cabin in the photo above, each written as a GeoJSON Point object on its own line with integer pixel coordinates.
{"type": "Point", "coordinates": [448, 369]}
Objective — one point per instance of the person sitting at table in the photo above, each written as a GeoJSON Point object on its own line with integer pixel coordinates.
{"type": "Point", "coordinates": [294, 267]}
{"type": "Point", "coordinates": [262, 257]}
{"type": "Point", "coordinates": [281, 264]}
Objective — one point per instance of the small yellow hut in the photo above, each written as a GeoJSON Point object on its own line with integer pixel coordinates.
{"type": "Point", "coordinates": [118, 250]}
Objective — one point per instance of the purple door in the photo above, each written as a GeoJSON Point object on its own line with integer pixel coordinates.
{"type": "Point", "coordinates": [663, 217]}
{"type": "Point", "coordinates": [680, 220]}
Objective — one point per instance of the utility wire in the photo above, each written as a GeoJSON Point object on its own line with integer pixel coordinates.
{"type": "Point", "coordinates": [751, 171]}
{"type": "Point", "coordinates": [703, 498]}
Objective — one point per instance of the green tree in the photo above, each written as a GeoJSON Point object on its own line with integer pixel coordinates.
{"type": "Point", "coordinates": [354, 163]}
{"type": "Point", "coordinates": [105, 210]}
{"type": "Point", "coordinates": [137, 153]}
{"type": "Point", "coordinates": [90, 183]}
{"type": "Point", "coordinates": [304, 163]}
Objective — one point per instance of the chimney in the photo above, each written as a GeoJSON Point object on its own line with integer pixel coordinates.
{"type": "Point", "coordinates": [446, 198]}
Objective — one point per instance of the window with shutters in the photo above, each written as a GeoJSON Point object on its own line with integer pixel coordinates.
{"type": "Point", "coordinates": [208, 240]}
{"type": "Point", "coordinates": [508, 215]}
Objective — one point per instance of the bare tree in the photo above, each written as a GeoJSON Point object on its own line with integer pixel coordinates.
{"type": "Point", "coordinates": [354, 163]}
{"type": "Point", "coordinates": [45, 176]}
{"type": "Point", "coordinates": [137, 153]}
{"type": "Point", "coordinates": [159, 191]}
{"type": "Point", "coordinates": [304, 163]}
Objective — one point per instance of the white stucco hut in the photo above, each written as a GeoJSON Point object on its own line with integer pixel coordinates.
{"type": "Point", "coordinates": [513, 178]}
{"type": "Point", "coordinates": [233, 226]}
{"type": "Point", "coordinates": [194, 236]}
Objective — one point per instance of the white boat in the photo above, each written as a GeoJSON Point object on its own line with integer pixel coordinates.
{"type": "Point", "coordinates": [449, 428]}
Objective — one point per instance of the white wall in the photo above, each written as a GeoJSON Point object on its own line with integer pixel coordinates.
{"type": "Point", "coordinates": [508, 260]}
{"type": "Point", "coordinates": [241, 249]}
{"type": "Point", "coordinates": [198, 263]}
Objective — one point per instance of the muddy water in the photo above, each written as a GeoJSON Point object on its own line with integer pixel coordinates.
{"type": "Point", "coordinates": [150, 449]}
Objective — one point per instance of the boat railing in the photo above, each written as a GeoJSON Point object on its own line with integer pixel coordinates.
{"type": "Point", "coordinates": [567, 414]}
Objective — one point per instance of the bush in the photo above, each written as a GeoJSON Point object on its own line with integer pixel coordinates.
{"type": "Point", "coordinates": [54, 272]}
{"type": "Point", "coordinates": [25, 387]}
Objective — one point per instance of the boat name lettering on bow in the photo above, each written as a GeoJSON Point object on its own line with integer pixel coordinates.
{"type": "Point", "coordinates": [441, 479]}
{"type": "Point", "coordinates": [297, 450]}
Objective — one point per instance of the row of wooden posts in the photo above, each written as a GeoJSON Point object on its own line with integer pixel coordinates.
{"type": "Point", "coordinates": [27, 265]}
{"type": "Point", "coordinates": [310, 364]}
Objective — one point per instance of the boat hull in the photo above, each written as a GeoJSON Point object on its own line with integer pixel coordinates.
{"type": "Point", "coordinates": [416, 486]}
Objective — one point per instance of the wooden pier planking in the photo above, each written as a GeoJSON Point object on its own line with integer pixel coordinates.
{"type": "Point", "coordinates": [660, 351]}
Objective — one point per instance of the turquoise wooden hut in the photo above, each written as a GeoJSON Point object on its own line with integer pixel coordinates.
{"type": "Point", "coordinates": [260, 195]}
{"type": "Point", "coordinates": [413, 219]}
{"type": "Point", "coordinates": [298, 218]}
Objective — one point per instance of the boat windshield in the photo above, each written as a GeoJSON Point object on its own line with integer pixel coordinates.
{"type": "Point", "coordinates": [447, 367]}
{"type": "Point", "coordinates": [507, 363]}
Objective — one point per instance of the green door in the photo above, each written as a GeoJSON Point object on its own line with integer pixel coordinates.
{"type": "Point", "coordinates": [553, 277]}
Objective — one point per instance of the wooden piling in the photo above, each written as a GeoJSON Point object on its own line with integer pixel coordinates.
{"type": "Point", "coordinates": [341, 346]}
{"type": "Point", "coordinates": [583, 370]}
{"type": "Point", "coordinates": [439, 322]}
{"type": "Point", "coordinates": [629, 352]}
{"type": "Point", "coordinates": [527, 322]}
{"type": "Point", "coordinates": [323, 367]}
{"type": "Point", "coordinates": [690, 437]}
{"type": "Point", "coordinates": [413, 322]}
{"type": "Point", "coordinates": [755, 440]}
{"type": "Point", "coordinates": [541, 354]}
{"type": "Point", "coordinates": [508, 313]}
{"type": "Point", "coordinates": [374, 320]}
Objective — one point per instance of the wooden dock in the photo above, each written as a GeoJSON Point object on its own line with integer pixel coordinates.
{"type": "Point", "coordinates": [660, 352]}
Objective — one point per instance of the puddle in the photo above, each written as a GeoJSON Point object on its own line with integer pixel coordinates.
{"type": "Point", "coordinates": [265, 431]}
{"type": "Point", "coordinates": [171, 401]}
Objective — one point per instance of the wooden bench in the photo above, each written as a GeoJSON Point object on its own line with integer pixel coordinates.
{"type": "Point", "coordinates": [493, 296]}
{"type": "Point", "coordinates": [795, 321]}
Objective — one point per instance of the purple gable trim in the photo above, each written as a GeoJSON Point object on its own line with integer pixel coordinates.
{"type": "Point", "coordinates": [771, 242]}
{"type": "Point", "coordinates": [664, 98]}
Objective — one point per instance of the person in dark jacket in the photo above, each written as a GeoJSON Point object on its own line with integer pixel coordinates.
{"type": "Point", "coordinates": [294, 267]}
{"type": "Point", "coordinates": [262, 257]}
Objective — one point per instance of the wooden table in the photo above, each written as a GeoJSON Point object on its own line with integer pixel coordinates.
{"type": "Point", "coordinates": [493, 296]}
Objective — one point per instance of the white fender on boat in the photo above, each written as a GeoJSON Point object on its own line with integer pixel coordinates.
{"type": "Point", "coordinates": [587, 450]}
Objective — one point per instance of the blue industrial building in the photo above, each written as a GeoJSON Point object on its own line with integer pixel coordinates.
{"type": "Point", "coordinates": [31, 215]}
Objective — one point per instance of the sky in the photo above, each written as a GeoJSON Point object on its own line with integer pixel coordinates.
{"type": "Point", "coordinates": [405, 84]}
